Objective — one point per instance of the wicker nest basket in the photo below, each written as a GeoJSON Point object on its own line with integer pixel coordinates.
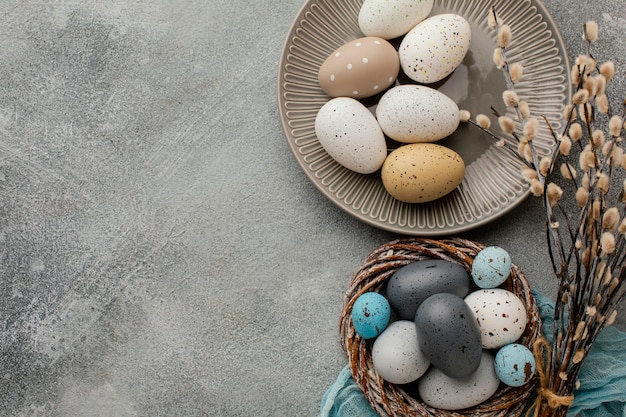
{"type": "Point", "coordinates": [388, 399]}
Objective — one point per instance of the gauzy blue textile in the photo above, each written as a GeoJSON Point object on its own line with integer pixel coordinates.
{"type": "Point", "coordinates": [602, 391]}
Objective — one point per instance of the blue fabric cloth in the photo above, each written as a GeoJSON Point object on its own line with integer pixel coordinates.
{"type": "Point", "coordinates": [602, 391]}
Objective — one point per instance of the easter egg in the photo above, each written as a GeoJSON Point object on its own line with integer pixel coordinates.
{"type": "Point", "coordinates": [360, 68]}
{"type": "Point", "coordinates": [491, 267]}
{"type": "Point", "coordinates": [410, 285]}
{"type": "Point", "coordinates": [396, 354]}
{"type": "Point", "coordinates": [443, 392]}
{"type": "Point", "coordinates": [370, 314]}
{"type": "Point", "coordinates": [422, 172]}
{"type": "Point", "coordinates": [435, 47]}
{"type": "Point", "coordinates": [500, 314]}
{"type": "Point", "coordinates": [448, 335]}
{"type": "Point", "coordinates": [350, 134]}
{"type": "Point", "coordinates": [412, 113]}
{"type": "Point", "coordinates": [392, 18]}
{"type": "Point", "coordinates": [515, 365]}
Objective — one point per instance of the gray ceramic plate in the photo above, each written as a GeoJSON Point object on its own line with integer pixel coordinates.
{"type": "Point", "coordinates": [492, 184]}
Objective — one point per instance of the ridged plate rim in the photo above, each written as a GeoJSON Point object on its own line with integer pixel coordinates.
{"type": "Point", "coordinates": [492, 186]}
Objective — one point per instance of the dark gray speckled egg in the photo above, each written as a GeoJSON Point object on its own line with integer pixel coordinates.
{"type": "Point", "coordinates": [410, 285]}
{"type": "Point", "coordinates": [449, 335]}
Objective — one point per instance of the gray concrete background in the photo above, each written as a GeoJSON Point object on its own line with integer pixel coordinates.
{"type": "Point", "coordinates": [162, 254]}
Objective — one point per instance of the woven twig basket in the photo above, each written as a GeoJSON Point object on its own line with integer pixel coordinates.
{"type": "Point", "coordinates": [388, 399]}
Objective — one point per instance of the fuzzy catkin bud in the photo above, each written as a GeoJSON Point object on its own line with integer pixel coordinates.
{"type": "Point", "coordinates": [498, 58]}
{"type": "Point", "coordinates": [565, 146]}
{"type": "Point", "coordinates": [544, 166]}
{"type": "Point", "coordinates": [569, 113]}
{"type": "Point", "coordinates": [607, 69]}
{"type": "Point", "coordinates": [617, 156]}
{"type": "Point", "coordinates": [506, 124]}
{"type": "Point", "coordinates": [600, 84]}
{"type": "Point", "coordinates": [610, 218]}
{"type": "Point", "coordinates": [607, 242]}
{"type": "Point", "coordinates": [554, 194]}
{"type": "Point", "coordinates": [615, 125]}
{"type": "Point", "coordinates": [611, 318]}
{"type": "Point", "coordinates": [591, 31]}
{"type": "Point", "coordinates": [524, 109]}
{"type": "Point", "coordinates": [464, 116]}
{"type": "Point", "coordinates": [483, 121]}
{"type": "Point", "coordinates": [515, 71]}
{"type": "Point", "coordinates": [529, 174]}
{"type": "Point", "coordinates": [602, 101]}
{"type": "Point", "coordinates": [591, 86]}
{"type": "Point", "coordinates": [536, 187]}
{"type": "Point", "coordinates": [598, 138]}
{"type": "Point", "coordinates": [568, 171]}
{"type": "Point", "coordinates": [504, 36]}
{"type": "Point", "coordinates": [530, 128]}
{"type": "Point", "coordinates": [491, 19]}
{"type": "Point", "coordinates": [510, 98]}
{"type": "Point", "coordinates": [604, 182]}
{"type": "Point", "coordinates": [575, 132]}
{"type": "Point", "coordinates": [581, 197]}
{"type": "Point", "coordinates": [580, 97]}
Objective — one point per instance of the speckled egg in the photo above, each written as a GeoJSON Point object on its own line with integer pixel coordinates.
{"type": "Point", "coordinates": [515, 365]}
{"type": "Point", "coordinates": [440, 391]}
{"type": "Point", "coordinates": [448, 335]}
{"type": "Point", "coordinates": [422, 172]}
{"type": "Point", "coordinates": [396, 354]}
{"type": "Point", "coordinates": [412, 113]}
{"type": "Point", "coordinates": [370, 314]}
{"type": "Point", "coordinates": [392, 18]}
{"type": "Point", "coordinates": [500, 314]}
{"type": "Point", "coordinates": [491, 267]}
{"type": "Point", "coordinates": [410, 285]}
{"type": "Point", "coordinates": [350, 134]}
{"type": "Point", "coordinates": [360, 68]}
{"type": "Point", "coordinates": [435, 47]}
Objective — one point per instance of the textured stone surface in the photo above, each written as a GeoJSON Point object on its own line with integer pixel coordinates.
{"type": "Point", "coordinates": [161, 251]}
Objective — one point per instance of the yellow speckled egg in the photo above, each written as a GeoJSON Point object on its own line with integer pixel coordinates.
{"type": "Point", "coordinates": [422, 172]}
{"type": "Point", "coordinates": [361, 68]}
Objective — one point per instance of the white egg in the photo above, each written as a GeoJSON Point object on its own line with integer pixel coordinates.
{"type": "Point", "coordinates": [350, 134]}
{"type": "Point", "coordinates": [389, 19]}
{"type": "Point", "coordinates": [396, 354]}
{"type": "Point", "coordinates": [500, 314]}
{"type": "Point", "coordinates": [435, 47]}
{"type": "Point", "coordinates": [440, 391]}
{"type": "Point", "coordinates": [412, 113]}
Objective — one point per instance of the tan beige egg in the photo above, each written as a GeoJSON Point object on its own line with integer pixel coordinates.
{"type": "Point", "coordinates": [422, 172]}
{"type": "Point", "coordinates": [361, 68]}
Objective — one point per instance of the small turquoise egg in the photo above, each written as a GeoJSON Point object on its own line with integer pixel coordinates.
{"type": "Point", "coordinates": [370, 314]}
{"type": "Point", "coordinates": [491, 267]}
{"type": "Point", "coordinates": [514, 364]}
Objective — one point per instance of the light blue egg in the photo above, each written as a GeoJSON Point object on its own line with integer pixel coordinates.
{"type": "Point", "coordinates": [491, 267]}
{"type": "Point", "coordinates": [515, 364]}
{"type": "Point", "coordinates": [370, 314]}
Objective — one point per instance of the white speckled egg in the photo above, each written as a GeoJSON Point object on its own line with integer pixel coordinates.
{"type": "Point", "coordinates": [491, 267]}
{"type": "Point", "coordinates": [412, 113]}
{"type": "Point", "coordinates": [361, 68]}
{"type": "Point", "coordinates": [500, 314]}
{"type": "Point", "coordinates": [440, 391]}
{"type": "Point", "coordinates": [422, 172]}
{"type": "Point", "coordinates": [392, 18]}
{"type": "Point", "coordinates": [350, 134]}
{"type": "Point", "coordinates": [396, 354]}
{"type": "Point", "coordinates": [515, 365]}
{"type": "Point", "coordinates": [435, 47]}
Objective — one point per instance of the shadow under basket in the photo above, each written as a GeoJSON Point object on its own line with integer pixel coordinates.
{"type": "Point", "coordinates": [388, 399]}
